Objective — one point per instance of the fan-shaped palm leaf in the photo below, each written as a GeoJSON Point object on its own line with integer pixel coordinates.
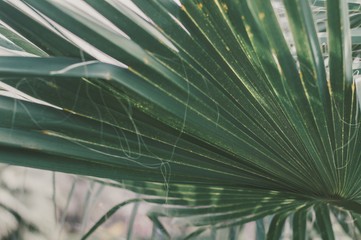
{"type": "Point", "coordinates": [201, 104]}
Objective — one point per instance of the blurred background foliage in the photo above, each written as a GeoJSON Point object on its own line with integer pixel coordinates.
{"type": "Point", "coordinates": [223, 119]}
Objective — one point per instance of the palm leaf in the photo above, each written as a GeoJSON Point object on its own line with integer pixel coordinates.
{"type": "Point", "coordinates": [201, 104]}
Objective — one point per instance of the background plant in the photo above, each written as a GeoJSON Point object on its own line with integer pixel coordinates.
{"type": "Point", "coordinates": [203, 104]}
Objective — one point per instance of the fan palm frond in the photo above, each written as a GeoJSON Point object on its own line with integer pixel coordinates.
{"type": "Point", "coordinates": [203, 104]}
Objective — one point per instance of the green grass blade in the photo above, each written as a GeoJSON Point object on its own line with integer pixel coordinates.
{"type": "Point", "coordinates": [299, 224]}
{"type": "Point", "coordinates": [260, 229]}
{"type": "Point", "coordinates": [276, 226]}
{"type": "Point", "coordinates": [195, 234]}
{"type": "Point", "coordinates": [159, 226]}
{"type": "Point", "coordinates": [107, 215]}
{"type": "Point", "coordinates": [323, 221]}
{"type": "Point", "coordinates": [131, 220]}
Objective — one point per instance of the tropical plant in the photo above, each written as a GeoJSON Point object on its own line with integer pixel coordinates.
{"type": "Point", "coordinates": [203, 104]}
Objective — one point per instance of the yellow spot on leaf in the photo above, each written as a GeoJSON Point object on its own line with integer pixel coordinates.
{"type": "Point", "coordinates": [108, 76]}
{"type": "Point", "coordinates": [67, 110]}
{"type": "Point", "coordinates": [261, 16]}
{"type": "Point", "coordinates": [225, 7]}
{"type": "Point", "coordinates": [183, 8]}
{"type": "Point", "coordinates": [248, 28]}
{"type": "Point", "coordinates": [33, 148]}
{"type": "Point", "coordinates": [200, 6]}
{"type": "Point", "coordinates": [146, 61]}
{"type": "Point", "coordinates": [51, 84]}
{"type": "Point", "coordinates": [243, 17]}
{"type": "Point", "coordinates": [300, 73]}
{"type": "Point", "coordinates": [227, 48]}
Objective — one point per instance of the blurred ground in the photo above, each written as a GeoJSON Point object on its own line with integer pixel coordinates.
{"type": "Point", "coordinates": [28, 211]}
{"type": "Point", "coordinates": [27, 207]}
